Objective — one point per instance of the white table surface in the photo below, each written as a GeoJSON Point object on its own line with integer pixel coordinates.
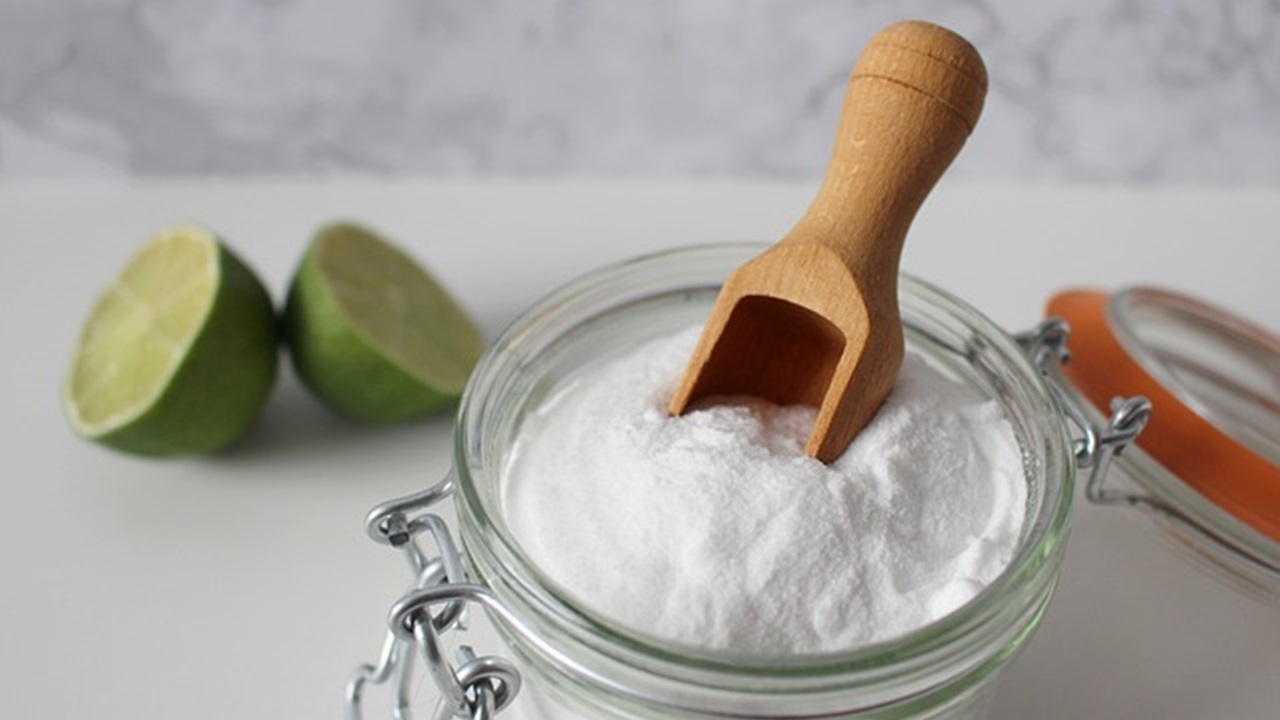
{"type": "Point", "coordinates": [242, 585]}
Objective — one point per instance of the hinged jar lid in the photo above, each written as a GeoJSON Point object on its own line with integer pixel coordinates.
{"type": "Point", "coordinates": [1214, 383]}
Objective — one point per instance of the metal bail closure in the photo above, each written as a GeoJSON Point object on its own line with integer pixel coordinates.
{"type": "Point", "coordinates": [1212, 380]}
{"type": "Point", "coordinates": [1046, 346]}
{"type": "Point", "coordinates": [478, 687]}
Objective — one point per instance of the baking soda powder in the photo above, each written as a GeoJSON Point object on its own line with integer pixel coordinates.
{"type": "Point", "coordinates": [715, 530]}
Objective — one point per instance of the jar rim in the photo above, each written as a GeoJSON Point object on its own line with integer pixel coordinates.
{"type": "Point", "coordinates": [1013, 600]}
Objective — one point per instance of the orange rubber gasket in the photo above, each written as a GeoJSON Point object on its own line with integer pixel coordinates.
{"type": "Point", "coordinates": [1223, 470]}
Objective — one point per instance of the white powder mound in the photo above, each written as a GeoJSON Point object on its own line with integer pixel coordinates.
{"type": "Point", "coordinates": [715, 529]}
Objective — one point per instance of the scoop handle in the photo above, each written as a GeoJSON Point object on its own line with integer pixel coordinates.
{"type": "Point", "coordinates": [914, 97]}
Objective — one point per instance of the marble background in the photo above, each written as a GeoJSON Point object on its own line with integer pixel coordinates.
{"type": "Point", "coordinates": [1147, 91]}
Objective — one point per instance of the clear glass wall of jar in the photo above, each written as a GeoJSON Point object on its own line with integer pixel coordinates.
{"type": "Point", "coordinates": [577, 664]}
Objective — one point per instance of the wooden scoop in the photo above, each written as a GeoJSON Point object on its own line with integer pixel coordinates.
{"type": "Point", "coordinates": [814, 319]}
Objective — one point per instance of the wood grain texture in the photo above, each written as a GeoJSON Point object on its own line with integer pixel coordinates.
{"type": "Point", "coordinates": [814, 319]}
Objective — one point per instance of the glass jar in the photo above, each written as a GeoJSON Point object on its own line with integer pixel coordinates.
{"type": "Point", "coordinates": [574, 663]}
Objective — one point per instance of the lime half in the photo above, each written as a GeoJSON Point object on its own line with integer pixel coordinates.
{"type": "Point", "coordinates": [373, 334]}
{"type": "Point", "coordinates": [179, 353]}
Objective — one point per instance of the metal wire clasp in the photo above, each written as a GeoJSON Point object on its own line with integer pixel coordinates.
{"type": "Point", "coordinates": [1046, 345]}
{"type": "Point", "coordinates": [478, 687]}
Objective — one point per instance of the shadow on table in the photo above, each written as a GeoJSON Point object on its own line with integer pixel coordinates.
{"type": "Point", "coordinates": [296, 424]}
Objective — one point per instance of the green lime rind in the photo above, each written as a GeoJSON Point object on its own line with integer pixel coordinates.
{"type": "Point", "coordinates": [219, 386]}
{"type": "Point", "coordinates": [349, 365]}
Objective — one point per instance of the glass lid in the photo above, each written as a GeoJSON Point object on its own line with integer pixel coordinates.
{"type": "Point", "coordinates": [1213, 379]}
{"type": "Point", "coordinates": [1226, 370]}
